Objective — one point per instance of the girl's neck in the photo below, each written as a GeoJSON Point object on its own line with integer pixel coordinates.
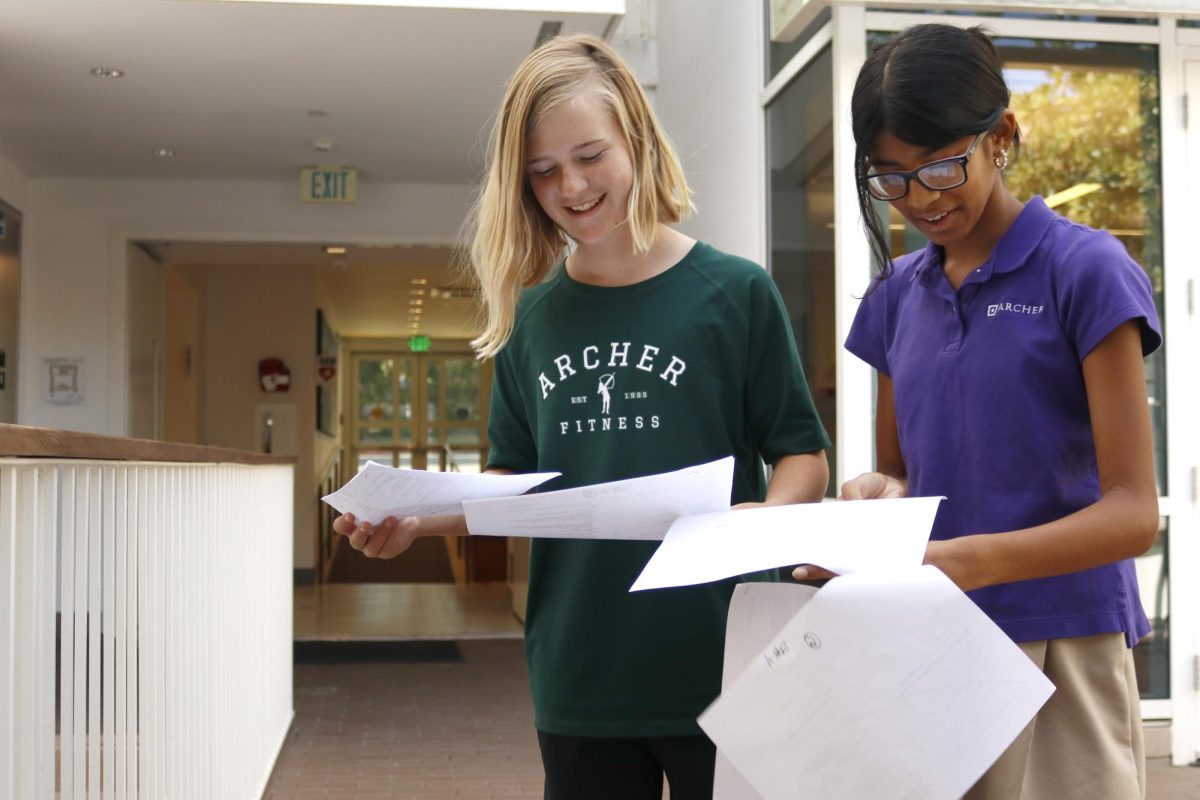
{"type": "Point", "coordinates": [961, 258]}
{"type": "Point", "coordinates": [613, 262]}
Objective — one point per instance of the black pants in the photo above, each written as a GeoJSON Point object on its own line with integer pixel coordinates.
{"type": "Point", "coordinates": [600, 768]}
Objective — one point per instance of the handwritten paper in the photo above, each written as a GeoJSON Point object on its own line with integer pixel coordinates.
{"type": "Point", "coordinates": [636, 508]}
{"type": "Point", "coordinates": [843, 536]}
{"type": "Point", "coordinates": [379, 492]}
{"type": "Point", "coordinates": [757, 613]}
{"type": "Point", "coordinates": [881, 685]}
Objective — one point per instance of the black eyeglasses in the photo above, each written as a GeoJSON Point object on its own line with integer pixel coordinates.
{"type": "Point", "coordinates": [937, 176]}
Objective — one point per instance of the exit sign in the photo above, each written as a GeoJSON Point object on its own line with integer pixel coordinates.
{"type": "Point", "coordinates": [328, 184]}
{"type": "Point", "coordinates": [419, 344]}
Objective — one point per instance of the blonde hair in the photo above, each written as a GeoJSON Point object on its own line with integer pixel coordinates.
{"type": "Point", "coordinates": [514, 244]}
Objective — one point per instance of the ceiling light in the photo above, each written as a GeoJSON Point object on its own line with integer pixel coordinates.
{"type": "Point", "coordinates": [111, 73]}
{"type": "Point", "coordinates": [322, 145]}
{"type": "Point", "coordinates": [417, 292]}
{"type": "Point", "coordinates": [1073, 193]}
{"type": "Point", "coordinates": [416, 302]}
{"type": "Point", "coordinates": [420, 281]}
{"type": "Point", "coordinates": [317, 113]}
{"type": "Point", "coordinates": [334, 249]}
{"type": "Point", "coordinates": [164, 152]}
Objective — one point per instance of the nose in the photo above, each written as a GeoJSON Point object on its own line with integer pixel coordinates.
{"type": "Point", "coordinates": [920, 197]}
{"type": "Point", "coordinates": [571, 181]}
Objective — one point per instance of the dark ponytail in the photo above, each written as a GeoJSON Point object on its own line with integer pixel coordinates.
{"type": "Point", "coordinates": [929, 85]}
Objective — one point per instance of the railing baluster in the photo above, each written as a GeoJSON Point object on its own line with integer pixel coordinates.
{"type": "Point", "coordinates": [66, 634]}
{"type": "Point", "coordinates": [79, 613]}
{"type": "Point", "coordinates": [129, 567]}
{"type": "Point", "coordinates": [8, 634]}
{"type": "Point", "coordinates": [108, 650]}
{"type": "Point", "coordinates": [121, 578]}
{"type": "Point", "coordinates": [95, 602]}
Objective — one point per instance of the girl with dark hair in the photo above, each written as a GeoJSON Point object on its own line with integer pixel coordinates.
{"type": "Point", "coordinates": [1009, 356]}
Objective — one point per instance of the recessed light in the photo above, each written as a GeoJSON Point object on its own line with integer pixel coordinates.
{"type": "Point", "coordinates": [111, 73]}
{"type": "Point", "coordinates": [416, 302]}
{"type": "Point", "coordinates": [322, 145]}
{"type": "Point", "coordinates": [164, 152]}
{"type": "Point", "coordinates": [417, 292]}
{"type": "Point", "coordinates": [334, 249]}
{"type": "Point", "coordinates": [420, 281]}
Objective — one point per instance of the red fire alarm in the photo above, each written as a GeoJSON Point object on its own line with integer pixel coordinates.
{"type": "Point", "coordinates": [273, 375]}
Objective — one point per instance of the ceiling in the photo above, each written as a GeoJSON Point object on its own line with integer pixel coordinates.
{"type": "Point", "coordinates": [231, 87]}
{"type": "Point", "coordinates": [240, 90]}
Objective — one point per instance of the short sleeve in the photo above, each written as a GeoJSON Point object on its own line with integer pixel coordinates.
{"type": "Point", "coordinates": [510, 437]}
{"type": "Point", "coordinates": [783, 419]}
{"type": "Point", "coordinates": [866, 338]}
{"type": "Point", "coordinates": [1097, 288]}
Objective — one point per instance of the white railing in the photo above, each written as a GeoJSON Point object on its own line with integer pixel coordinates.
{"type": "Point", "coordinates": [145, 627]}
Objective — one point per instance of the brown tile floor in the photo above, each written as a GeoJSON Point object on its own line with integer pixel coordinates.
{"type": "Point", "coordinates": [434, 731]}
{"type": "Point", "coordinates": [419, 731]}
{"type": "Point", "coordinates": [404, 611]}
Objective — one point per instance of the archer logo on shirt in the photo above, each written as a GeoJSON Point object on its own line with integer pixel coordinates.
{"type": "Point", "coordinates": [591, 359]}
{"type": "Point", "coordinates": [1014, 308]}
{"type": "Point", "coordinates": [604, 366]}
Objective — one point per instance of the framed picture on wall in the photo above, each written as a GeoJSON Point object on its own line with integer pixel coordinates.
{"type": "Point", "coordinates": [326, 376]}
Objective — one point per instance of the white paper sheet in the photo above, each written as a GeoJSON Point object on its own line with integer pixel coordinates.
{"type": "Point", "coordinates": [883, 685]}
{"type": "Point", "coordinates": [757, 613]}
{"type": "Point", "coordinates": [379, 492]}
{"type": "Point", "coordinates": [843, 536]}
{"type": "Point", "coordinates": [637, 508]}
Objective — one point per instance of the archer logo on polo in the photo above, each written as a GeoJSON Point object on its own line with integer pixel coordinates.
{"type": "Point", "coordinates": [1014, 308]}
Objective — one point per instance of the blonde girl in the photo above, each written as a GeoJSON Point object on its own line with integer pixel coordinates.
{"type": "Point", "coordinates": [622, 348]}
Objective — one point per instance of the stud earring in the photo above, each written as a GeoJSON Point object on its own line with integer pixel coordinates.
{"type": "Point", "coordinates": [1001, 160]}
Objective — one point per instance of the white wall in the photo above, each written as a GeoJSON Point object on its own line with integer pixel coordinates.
{"type": "Point", "coordinates": [74, 287]}
{"type": "Point", "coordinates": [250, 313]}
{"type": "Point", "coordinates": [709, 75]}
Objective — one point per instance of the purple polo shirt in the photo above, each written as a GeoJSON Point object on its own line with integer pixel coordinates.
{"type": "Point", "coordinates": [991, 406]}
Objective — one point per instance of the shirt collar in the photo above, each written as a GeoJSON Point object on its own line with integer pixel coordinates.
{"type": "Point", "coordinates": [1010, 253]}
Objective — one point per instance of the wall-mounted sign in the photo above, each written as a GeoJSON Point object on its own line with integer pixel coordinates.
{"type": "Point", "coordinates": [419, 344]}
{"type": "Point", "coordinates": [63, 381]}
{"type": "Point", "coordinates": [329, 184]}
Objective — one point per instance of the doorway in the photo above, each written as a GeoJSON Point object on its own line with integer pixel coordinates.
{"type": "Point", "coordinates": [10, 306]}
{"type": "Point", "coordinates": [424, 410]}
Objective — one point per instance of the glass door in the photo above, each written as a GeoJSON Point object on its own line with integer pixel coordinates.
{"type": "Point", "coordinates": [419, 410]}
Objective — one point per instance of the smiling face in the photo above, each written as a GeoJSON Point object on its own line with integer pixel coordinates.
{"type": "Point", "coordinates": [580, 170]}
{"type": "Point", "coordinates": [951, 216]}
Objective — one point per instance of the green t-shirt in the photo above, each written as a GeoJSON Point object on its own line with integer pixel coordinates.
{"type": "Point", "coordinates": [605, 383]}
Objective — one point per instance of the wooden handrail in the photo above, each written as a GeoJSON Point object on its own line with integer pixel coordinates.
{"type": "Point", "coordinates": [22, 441]}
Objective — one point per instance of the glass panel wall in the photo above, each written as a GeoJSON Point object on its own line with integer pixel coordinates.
{"type": "Point", "coordinates": [800, 159]}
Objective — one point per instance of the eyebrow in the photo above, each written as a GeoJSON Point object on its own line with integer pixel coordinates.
{"type": "Point", "coordinates": [924, 156]}
{"type": "Point", "coordinates": [574, 149]}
